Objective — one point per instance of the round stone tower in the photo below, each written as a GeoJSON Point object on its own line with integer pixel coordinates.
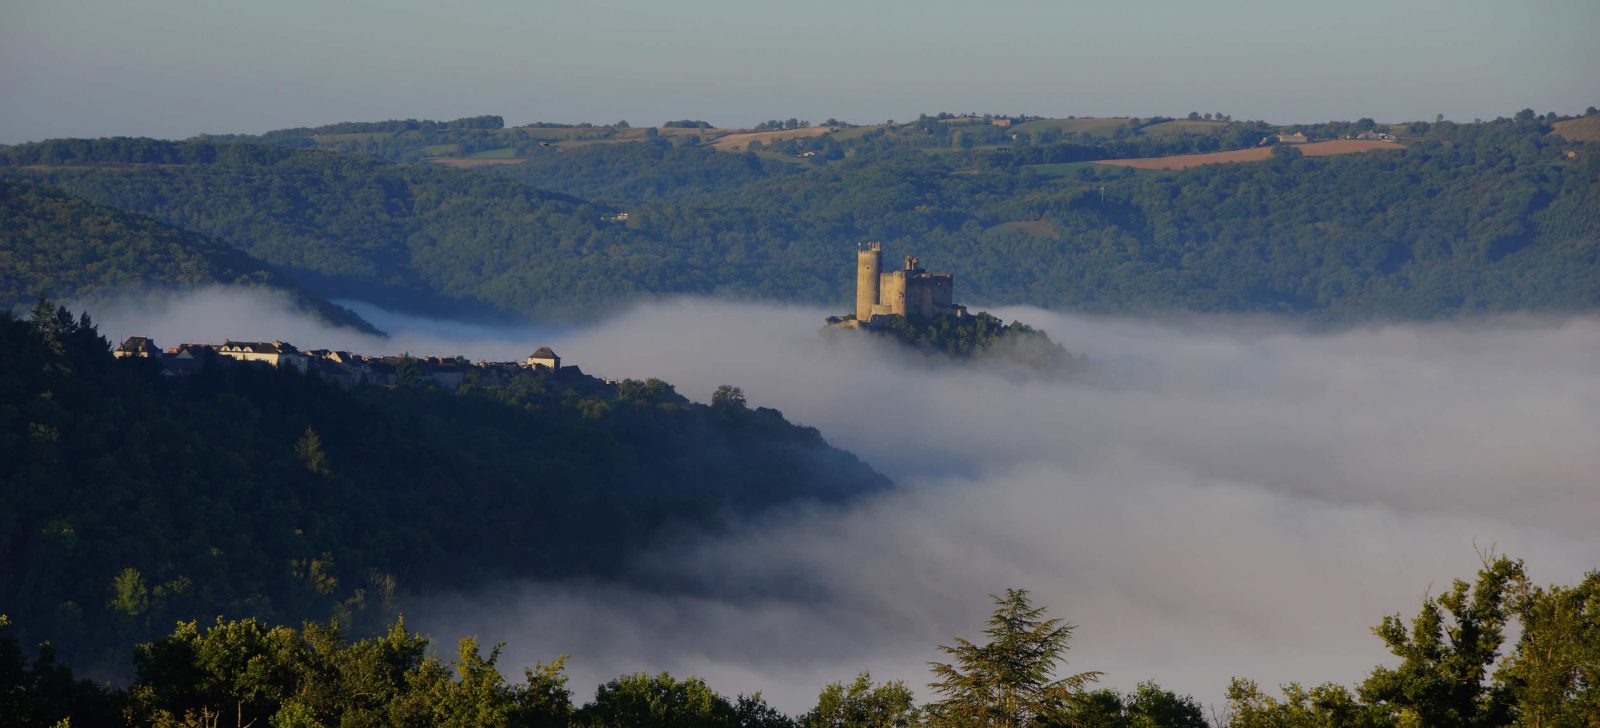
{"type": "Point", "coordinates": [869, 263]}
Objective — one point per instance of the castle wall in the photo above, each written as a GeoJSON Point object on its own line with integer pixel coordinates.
{"type": "Point", "coordinates": [892, 292]}
{"type": "Point", "coordinates": [868, 265]}
{"type": "Point", "coordinates": [910, 291]}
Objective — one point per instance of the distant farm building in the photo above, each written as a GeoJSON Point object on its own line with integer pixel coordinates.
{"type": "Point", "coordinates": [1295, 138]}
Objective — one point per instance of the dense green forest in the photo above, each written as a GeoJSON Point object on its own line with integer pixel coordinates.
{"type": "Point", "coordinates": [1452, 667]}
{"type": "Point", "coordinates": [132, 499]}
{"type": "Point", "coordinates": [1493, 216]}
{"type": "Point", "coordinates": [58, 245]}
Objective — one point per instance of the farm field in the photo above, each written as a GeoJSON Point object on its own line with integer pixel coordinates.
{"type": "Point", "coordinates": [1182, 126]}
{"type": "Point", "coordinates": [1258, 154]}
{"type": "Point", "coordinates": [856, 132]}
{"type": "Point", "coordinates": [473, 162]}
{"type": "Point", "coordinates": [736, 142]}
{"type": "Point", "coordinates": [1582, 129]}
{"type": "Point", "coordinates": [1103, 128]}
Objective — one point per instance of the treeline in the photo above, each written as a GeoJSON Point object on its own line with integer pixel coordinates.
{"type": "Point", "coordinates": [1452, 667]}
{"type": "Point", "coordinates": [307, 136]}
{"type": "Point", "coordinates": [65, 247]}
{"type": "Point", "coordinates": [133, 499]}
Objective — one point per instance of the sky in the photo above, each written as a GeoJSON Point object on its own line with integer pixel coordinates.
{"type": "Point", "coordinates": [1217, 496]}
{"type": "Point", "coordinates": [175, 68]}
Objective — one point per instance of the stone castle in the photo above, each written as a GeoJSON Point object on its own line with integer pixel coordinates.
{"type": "Point", "coordinates": [910, 291]}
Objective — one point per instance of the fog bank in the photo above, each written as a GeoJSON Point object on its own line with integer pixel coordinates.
{"type": "Point", "coordinates": [1218, 497]}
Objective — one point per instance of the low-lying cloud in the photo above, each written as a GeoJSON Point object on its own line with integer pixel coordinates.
{"type": "Point", "coordinates": [1217, 497]}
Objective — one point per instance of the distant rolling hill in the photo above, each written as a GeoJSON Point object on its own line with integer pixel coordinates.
{"type": "Point", "coordinates": [56, 245]}
{"type": "Point", "coordinates": [1461, 218]}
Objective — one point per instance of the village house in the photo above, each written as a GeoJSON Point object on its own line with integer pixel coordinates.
{"type": "Point", "coordinates": [185, 359]}
{"type": "Point", "coordinates": [1295, 138]}
{"type": "Point", "coordinates": [276, 353]}
{"type": "Point", "coordinates": [348, 370]}
{"type": "Point", "coordinates": [544, 357]}
{"type": "Point", "coordinates": [137, 346]}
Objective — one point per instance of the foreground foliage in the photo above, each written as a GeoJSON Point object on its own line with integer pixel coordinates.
{"type": "Point", "coordinates": [245, 673]}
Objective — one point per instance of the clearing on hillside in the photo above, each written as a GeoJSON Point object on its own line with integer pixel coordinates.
{"type": "Point", "coordinates": [1581, 129]}
{"type": "Point", "coordinates": [1256, 154]}
{"type": "Point", "coordinates": [736, 142]}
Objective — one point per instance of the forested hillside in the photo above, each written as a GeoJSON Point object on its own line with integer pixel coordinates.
{"type": "Point", "coordinates": [411, 237]}
{"type": "Point", "coordinates": [132, 500]}
{"type": "Point", "coordinates": [56, 245]}
{"type": "Point", "coordinates": [1461, 218]}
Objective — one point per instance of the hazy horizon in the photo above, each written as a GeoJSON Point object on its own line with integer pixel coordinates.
{"type": "Point", "coordinates": [177, 68]}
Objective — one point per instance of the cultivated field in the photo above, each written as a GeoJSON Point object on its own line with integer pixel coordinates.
{"type": "Point", "coordinates": [1182, 126]}
{"type": "Point", "coordinates": [735, 142]}
{"type": "Point", "coordinates": [1257, 154]}
{"type": "Point", "coordinates": [469, 163]}
{"type": "Point", "coordinates": [1104, 128]}
{"type": "Point", "coordinates": [1582, 129]}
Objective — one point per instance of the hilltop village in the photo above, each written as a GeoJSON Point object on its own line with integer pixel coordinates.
{"type": "Point", "coordinates": [346, 369]}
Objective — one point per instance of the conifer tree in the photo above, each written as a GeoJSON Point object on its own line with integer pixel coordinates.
{"type": "Point", "coordinates": [309, 449]}
{"type": "Point", "coordinates": [1009, 681]}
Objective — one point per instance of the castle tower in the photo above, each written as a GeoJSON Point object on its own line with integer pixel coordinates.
{"type": "Point", "coordinates": [869, 262]}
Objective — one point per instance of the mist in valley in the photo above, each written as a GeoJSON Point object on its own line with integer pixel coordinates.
{"type": "Point", "coordinates": [1215, 497]}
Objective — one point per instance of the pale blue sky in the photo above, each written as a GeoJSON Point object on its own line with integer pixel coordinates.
{"type": "Point", "coordinates": [173, 68]}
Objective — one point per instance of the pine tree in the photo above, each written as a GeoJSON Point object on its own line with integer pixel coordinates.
{"type": "Point", "coordinates": [1010, 681]}
{"type": "Point", "coordinates": [309, 449]}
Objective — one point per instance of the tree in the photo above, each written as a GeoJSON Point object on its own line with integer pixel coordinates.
{"type": "Point", "coordinates": [1148, 706]}
{"type": "Point", "coordinates": [309, 449]}
{"type": "Point", "coordinates": [728, 397]}
{"type": "Point", "coordinates": [752, 711]}
{"type": "Point", "coordinates": [1446, 654]}
{"type": "Point", "coordinates": [129, 594]}
{"type": "Point", "coordinates": [863, 705]}
{"type": "Point", "coordinates": [406, 371]}
{"type": "Point", "coordinates": [655, 701]}
{"type": "Point", "coordinates": [1324, 706]}
{"type": "Point", "coordinates": [1010, 680]}
{"type": "Point", "coordinates": [1554, 672]}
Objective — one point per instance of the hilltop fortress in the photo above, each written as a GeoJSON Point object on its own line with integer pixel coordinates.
{"type": "Point", "coordinates": [910, 291]}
